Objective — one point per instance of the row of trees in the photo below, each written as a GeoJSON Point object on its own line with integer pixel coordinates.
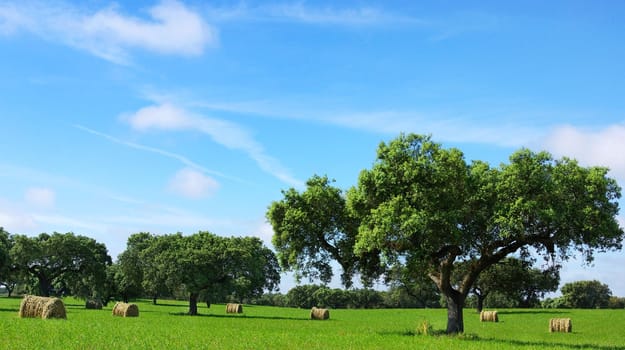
{"type": "Point", "coordinates": [202, 266]}
{"type": "Point", "coordinates": [424, 212]}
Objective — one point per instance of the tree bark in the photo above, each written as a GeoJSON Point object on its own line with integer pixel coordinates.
{"type": "Point", "coordinates": [455, 320]}
{"type": "Point", "coordinates": [193, 303]}
{"type": "Point", "coordinates": [44, 286]}
{"type": "Point", "coordinates": [480, 302]}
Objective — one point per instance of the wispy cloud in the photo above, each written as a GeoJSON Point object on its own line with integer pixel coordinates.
{"type": "Point", "coordinates": [40, 197]}
{"type": "Point", "coordinates": [182, 159]}
{"type": "Point", "coordinates": [311, 13]}
{"type": "Point", "coordinates": [192, 184]}
{"type": "Point", "coordinates": [591, 146]}
{"type": "Point", "coordinates": [170, 28]}
{"type": "Point", "coordinates": [166, 116]}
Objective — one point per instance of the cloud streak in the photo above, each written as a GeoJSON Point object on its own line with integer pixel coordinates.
{"type": "Point", "coordinates": [166, 116]}
{"type": "Point", "coordinates": [171, 28]}
{"type": "Point", "coordinates": [182, 159]}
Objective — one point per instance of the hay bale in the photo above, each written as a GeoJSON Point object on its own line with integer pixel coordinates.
{"type": "Point", "coordinates": [93, 304]}
{"type": "Point", "coordinates": [560, 325]}
{"type": "Point", "coordinates": [319, 314]}
{"type": "Point", "coordinates": [125, 310]}
{"type": "Point", "coordinates": [234, 308]}
{"type": "Point", "coordinates": [34, 306]}
{"type": "Point", "coordinates": [489, 316]}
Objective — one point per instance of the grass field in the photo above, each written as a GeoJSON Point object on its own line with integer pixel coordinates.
{"type": "Point", "coordinates": [165, 326]}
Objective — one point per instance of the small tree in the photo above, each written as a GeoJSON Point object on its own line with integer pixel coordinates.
{"type": "Point", "coordinates": [586, 294]}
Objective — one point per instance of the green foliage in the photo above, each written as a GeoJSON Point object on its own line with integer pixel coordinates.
{"type": "Point", "coordinates": [616, 303]}
{"type": "Point", "coordinates": [311, 229]}
{"type": "Point", "coordinates": [586, 294]}
{"type": "Point", "coordinates": [68, 263]}
{"type": "Point", "coordinates": [513, 282]}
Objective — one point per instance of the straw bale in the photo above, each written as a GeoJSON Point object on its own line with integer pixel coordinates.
{"type": "Point", "coordinates": [319, 314]}
{"type": "Point", "coordinates": [125, 310]}
{"type": "Point", "coordinates": [234, 308]}
{"type": "Point", "coordinates": [560, 325]}
{"type": "Point", "coordinates": [489, 316]}
{"type": "Point", "coordinates": [44, 307]}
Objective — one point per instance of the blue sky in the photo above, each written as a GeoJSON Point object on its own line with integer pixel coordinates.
{"type": "Point", "coordinates": [166, 116]}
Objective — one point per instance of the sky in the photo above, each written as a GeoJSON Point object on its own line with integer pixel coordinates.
{"type": "Point", "coordinates": [180, 116]}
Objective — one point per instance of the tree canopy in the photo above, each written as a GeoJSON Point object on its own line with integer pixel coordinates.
{"type": "Point", "coordinates": [424, 208]}
{"type": "Point", "coordinates": [66, 262]}
{"type": "Point", "coordinates": [586, 294]}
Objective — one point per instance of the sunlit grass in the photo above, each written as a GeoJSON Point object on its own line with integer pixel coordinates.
{"type": "Point", "coordinates": [165, 326]}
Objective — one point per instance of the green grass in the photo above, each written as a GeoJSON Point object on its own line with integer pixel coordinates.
{"type": "Point", "coordinates": [164, 326]}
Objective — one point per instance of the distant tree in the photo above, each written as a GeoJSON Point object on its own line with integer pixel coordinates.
{"type": "Point", "coordinates": [616, 303]}
{"type": "Point", "coordinates": [72, 263]}
{"type": "Point", "coordinates": [586, 294]}
{"type": "Point", "coordinates": [411, 288]}
{"type": "Point", "coordinates": [156, 254]}
{"type": "Point", "coordinates": [515, 282]}
{"type": "Point", "coordinates": [303, 296]}
{"type": "Point", "coordinates": [255, 268]}
{"type": "Point", "coordinates": [10, 276]}
{"type": "Point", "coordinates": [131, 266]}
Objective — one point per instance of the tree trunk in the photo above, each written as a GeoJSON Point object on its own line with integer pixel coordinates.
{"type": "Point", "coordinates": [154, 299]}
{"type": "Point", "coordinates": [193, 303]}
{"type": "Point", "coordinates": [455, 321]}
{"type": "Point", "coordinates": [44, 286]}
{"type": "Point", "coordinates": [480, 302]}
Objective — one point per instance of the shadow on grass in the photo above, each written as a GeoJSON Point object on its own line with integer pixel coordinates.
{"type": "Point", "coordinates": [243, 316]}
{"type": "Point", "coordinates": [545, 344]}
{"type": "Point", "coordinates": [9, 310]}
{"type": "Point", "coordinates": [504, 342]}
{"type": "Point", "coordinates": [533, 312]}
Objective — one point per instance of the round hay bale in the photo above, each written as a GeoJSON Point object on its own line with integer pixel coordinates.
{"type": "Point", "coordinates": [560, 325]}
{"type": "Point", "coordinates": [319, 314]}
{"type": "Point", "coordinates": [489, 316]}
{"type": "Point", "coordinates": [93, 304]}
{"type": "Point", "coordinates": [34, 306]}
{"type": "Point", "coordinates": [234, 308]}
{"type": "Point", "coordinates": [125, 310]}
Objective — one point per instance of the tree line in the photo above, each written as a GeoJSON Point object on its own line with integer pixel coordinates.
{"type": "Point", "coordinates": [198, 267]}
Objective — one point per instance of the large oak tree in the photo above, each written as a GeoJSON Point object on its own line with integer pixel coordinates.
{"type": "Point", "coordinates": [424, 208]}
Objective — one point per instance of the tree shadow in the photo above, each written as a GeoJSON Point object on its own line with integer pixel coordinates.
{"type": "Point", "coordinates": [9, 310]}
{"type": "Point", "coordinates": [545, 344]}
{"type": "Point", "coordinates": [241, 316]}
{"type": "Point", "coordinates": [533, 312]}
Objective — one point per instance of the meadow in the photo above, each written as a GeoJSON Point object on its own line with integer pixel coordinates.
{"type": "Point", "coordinates": [164, 326]}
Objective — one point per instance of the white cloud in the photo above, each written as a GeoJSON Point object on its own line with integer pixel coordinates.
{"type": "Point", "coordinates": [172, 28]}
{"type": "Point", "coordinates": [40, 197]}
{"type": "Point", "coordinates": [191, 183]}
{"type": "Point", "coordinates": [603, 147]}
{"type": "Point", "coordinates": [16, 222]}
{"type": "Point", "coordinates": [167, 117]}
